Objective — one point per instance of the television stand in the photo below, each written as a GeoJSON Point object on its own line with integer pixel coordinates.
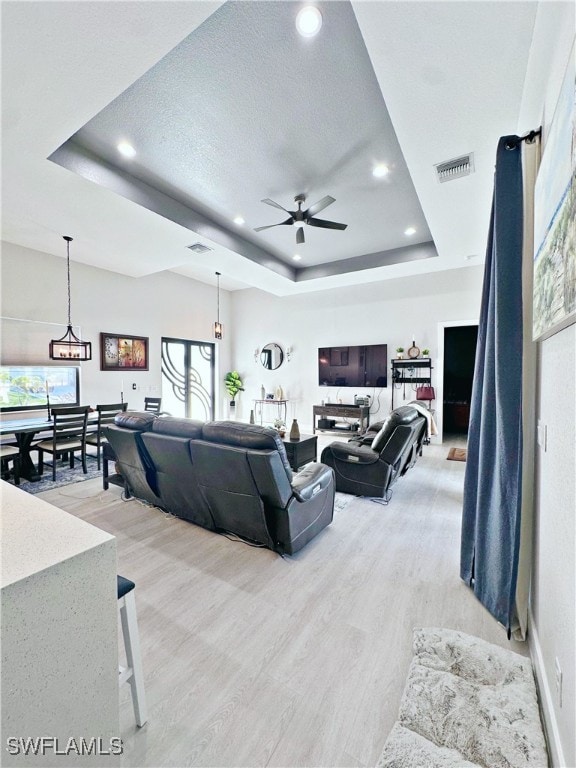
{"type": "Point", "coordinates": [342, 411]}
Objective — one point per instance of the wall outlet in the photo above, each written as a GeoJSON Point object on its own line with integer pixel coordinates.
{"type": "Point", "coordinates": [558, 681]}
{"type": "Point", "coordinates": [542, 435]}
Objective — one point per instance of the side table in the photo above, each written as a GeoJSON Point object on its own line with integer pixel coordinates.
{"type": "Point", "coordinates": [300, 451]}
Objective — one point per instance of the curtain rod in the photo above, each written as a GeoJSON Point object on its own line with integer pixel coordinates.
{"type": "Point", "coordinates": [529, 138]}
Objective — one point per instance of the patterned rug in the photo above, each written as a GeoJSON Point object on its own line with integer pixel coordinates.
{"type": "Point", "coordinates": [342, 500]}
{"type": "Point", "coordinates": [466, 703]}
{"type": "Point", "coordinates": [64, 476]}
{"type": "Point", "coordinates": [456, 454]}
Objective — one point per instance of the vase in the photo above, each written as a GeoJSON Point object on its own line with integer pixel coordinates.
{"type": "Point", "coordinates": [251, 417]}
{"type": "Point", "coordinates": [295, 431]}
{"type": "Point", "coordinates": [232, 410]}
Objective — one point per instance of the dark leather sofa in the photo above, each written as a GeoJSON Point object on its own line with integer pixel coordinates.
{"type": "Point", "coordinates": [224, 476]}
{"type": "Point", "coordinates": [369, 464]}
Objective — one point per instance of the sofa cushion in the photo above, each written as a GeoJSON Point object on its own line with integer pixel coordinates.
{"type": "Point", "coordinates": [248, 436]}
{"type": "Point", "coordinates": [177, 427]}
{"type": "Point", "coordinates": [138, 420]}
{"type": "Point", "coordinates": [381, 437]}
{"type": "Point", "coordinates": [403, 415]}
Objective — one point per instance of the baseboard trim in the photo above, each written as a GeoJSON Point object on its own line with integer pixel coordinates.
{"type": "Point", "coordinates": [546, 700]}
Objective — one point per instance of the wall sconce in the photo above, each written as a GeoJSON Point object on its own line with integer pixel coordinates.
{"type": "Point", "coordinates": [288, 353]}
{"type": "Point", "coordinates": [256, 355]}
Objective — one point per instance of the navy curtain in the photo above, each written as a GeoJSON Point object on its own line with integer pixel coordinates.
{"type": "Point", "coordinates": [492, 484]}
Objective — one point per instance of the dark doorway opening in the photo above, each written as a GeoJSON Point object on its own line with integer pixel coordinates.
{"type": "Point", "coordinates": [459, 356]}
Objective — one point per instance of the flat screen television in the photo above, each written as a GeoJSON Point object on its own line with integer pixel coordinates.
{"type": "Point", "coordinates": [360, 366]}
{"type": "Point", "coordinates": [27, 387]}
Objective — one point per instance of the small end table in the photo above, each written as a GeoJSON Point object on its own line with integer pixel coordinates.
{"type": "Point", "coordinates": [300, 451]}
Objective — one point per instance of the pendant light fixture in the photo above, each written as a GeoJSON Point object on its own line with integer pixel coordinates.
{"type": "Point", "coordinates": [218, 329]}
{"type": "Point", "coordinates": [70, 347]}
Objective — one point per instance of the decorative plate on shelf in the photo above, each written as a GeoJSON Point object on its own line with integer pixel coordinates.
{"type": "Point", "coordinates": [414, 351]}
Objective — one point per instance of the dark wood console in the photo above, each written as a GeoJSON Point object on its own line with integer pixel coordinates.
{"type": "Point", "coordinates": [359, 412]}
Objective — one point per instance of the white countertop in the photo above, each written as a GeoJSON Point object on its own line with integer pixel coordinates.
{"type": "Point", "coordinates": [35, 535]}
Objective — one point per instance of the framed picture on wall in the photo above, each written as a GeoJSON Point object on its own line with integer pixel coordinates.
{"type": "Point", "coordinates": [555, 218]}
{"type": "Point", "coordinates": [119, 352]}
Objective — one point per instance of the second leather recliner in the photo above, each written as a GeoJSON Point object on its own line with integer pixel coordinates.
{"type": "Point", "coordinates": [368, 465]}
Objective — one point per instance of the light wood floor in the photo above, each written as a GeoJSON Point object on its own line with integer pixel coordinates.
{"type": "Point", "coordinates": [255, 660]}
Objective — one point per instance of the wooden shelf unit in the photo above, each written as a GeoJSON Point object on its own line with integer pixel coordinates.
{"type": "Point", "coordinates": [359, 412]}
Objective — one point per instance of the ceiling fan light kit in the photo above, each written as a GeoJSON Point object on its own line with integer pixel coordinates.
{"type": "Point", "coordinates": [299, 218]}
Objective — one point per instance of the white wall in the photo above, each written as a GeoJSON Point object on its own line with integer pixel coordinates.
{"type": "Point", "coordinates": [552, 631]}
{"type": "Point", "coordinates": [388, 312]}
{"type": "Point", "coordinates": [164, 304]}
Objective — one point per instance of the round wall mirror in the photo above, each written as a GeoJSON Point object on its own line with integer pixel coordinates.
{"type": "Point", "coordinates": [272, 356]}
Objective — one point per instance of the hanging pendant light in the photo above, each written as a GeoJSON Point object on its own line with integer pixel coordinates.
{"type": "Point", "coordinates": [218, 328]}
{"type": "Point", "coordinates": [70, 347]}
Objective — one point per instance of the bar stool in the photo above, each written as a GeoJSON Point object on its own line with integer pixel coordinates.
{"type": "Point", "coordinates": [133, 674]}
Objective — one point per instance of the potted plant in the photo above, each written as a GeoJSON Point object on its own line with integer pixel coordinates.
{"type": "Point", "coordinates": [426, 352]}
{"type": "Point", "coordinates": [399, 351]}
{"type": "Point", "coordinates": [233, 384]}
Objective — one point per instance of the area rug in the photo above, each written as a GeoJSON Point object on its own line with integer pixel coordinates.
{"type": "Point", "coordinates": [456, 454]}
{"type": "Point", "coordinates": [64, 476]}
{"type": "Point", "coordinates": [341, 501]}
{"type": "Point", "coordinates": [466, 703]}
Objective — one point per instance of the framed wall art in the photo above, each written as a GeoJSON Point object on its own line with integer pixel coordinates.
{"type": "Point", "coordinates": [123, 353]}
{"type": "Point", "coordinates": [555, 218]}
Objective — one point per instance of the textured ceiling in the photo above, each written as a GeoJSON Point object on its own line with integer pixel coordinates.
{"type": "Point", "coordinates": [226, 105]}
{"type": "Point", "coordinates": [244, 109]}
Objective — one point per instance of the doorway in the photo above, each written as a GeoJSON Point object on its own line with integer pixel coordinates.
{"type": "Point", "coordinates": [188, 378]}
{"type": "Point", "coordinates": [458, 375]}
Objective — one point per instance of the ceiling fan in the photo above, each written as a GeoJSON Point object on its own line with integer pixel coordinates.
{"type": "Point", "coordinates": [299, 218]}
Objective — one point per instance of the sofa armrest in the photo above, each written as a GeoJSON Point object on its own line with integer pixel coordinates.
{"type": "Point", "coordinates": [312, 480]}
{"type": "Point", "coordinates": [353, 454]}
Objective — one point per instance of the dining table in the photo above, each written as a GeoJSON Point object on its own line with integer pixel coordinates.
{"type": "Point", "coordinates": [25, 431]}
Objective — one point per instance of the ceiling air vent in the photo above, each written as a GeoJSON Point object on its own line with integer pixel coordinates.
{"type": "Point", "coordinates": [455, 169]}
{"type": "Point", "coordinates": [199, 248]}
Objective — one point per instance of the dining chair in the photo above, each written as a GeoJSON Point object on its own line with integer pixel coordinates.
{"type": "Point", "coordinates": [153, 404]}
{"type": "Point", "coordinates": [10, 453]}
{"type": "Point", "coordinates": [106, 415]}
{"type": "Point", "coordinates": [68, 437]}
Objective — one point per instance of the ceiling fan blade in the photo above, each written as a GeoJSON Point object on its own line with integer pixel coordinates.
{"type": "Point", "coordinates": [280, 223]}
{"type": "Point", "coordinates": [273, 204]}
{"type": "Point", "coordinates": [300, 236]}
{"type": "Point", "coordinates": [326, 224]}
{"type": "Point", "coordinates": [320, 205]}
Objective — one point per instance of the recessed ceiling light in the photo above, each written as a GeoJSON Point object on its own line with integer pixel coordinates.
{"type": "Point", "coordinates": [308, 21]}
{"type": "Point", "coordinates": [297, 257]}
{"type": "Point", "coordinates": [239, 220]}
{"type": "Point", "coordinates": [126, 149]}
{"type": "Point", "coordinates": [380, 171]}
{"type": "Point", "coordinates": [410, 231]}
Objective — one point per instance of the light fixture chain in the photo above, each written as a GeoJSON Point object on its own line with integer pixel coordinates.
{"type": "Point", "coordinates": [68, 270]}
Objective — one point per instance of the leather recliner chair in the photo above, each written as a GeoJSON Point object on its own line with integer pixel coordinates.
{"type": "Point", "coordinates": [368, 465]}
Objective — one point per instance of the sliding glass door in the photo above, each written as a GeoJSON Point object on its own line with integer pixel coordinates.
{"type": "Point", "coordinates": [188, 378]}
